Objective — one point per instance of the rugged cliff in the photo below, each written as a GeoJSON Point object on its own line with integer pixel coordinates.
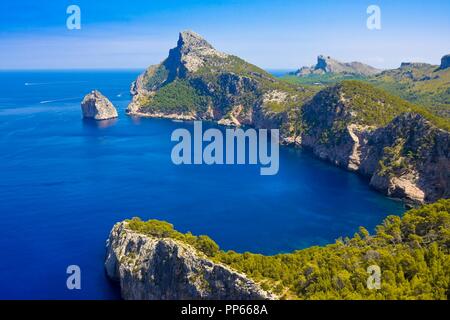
{"type": "Point", "coordinates": [152, 267]}
{"type": "Point", "coordinates": [362, 129]}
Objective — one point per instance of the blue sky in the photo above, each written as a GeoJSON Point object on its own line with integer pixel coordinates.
{"type": "Point", "coordinates": [271, 34]}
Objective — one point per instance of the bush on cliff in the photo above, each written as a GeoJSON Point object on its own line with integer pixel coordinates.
{"type": "Point", "coordinates": [162, 229]}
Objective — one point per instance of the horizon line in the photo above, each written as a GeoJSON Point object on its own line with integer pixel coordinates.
{"type": "Point", "coordinates": [114, 69]}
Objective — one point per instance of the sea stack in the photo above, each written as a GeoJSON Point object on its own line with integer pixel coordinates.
{"type": "Point", "coordinates": [96, 106]}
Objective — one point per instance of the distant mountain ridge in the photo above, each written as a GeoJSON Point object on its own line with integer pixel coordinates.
{"type": "Point", "coordinates": [326, 64]}
{"type": "Point", "coordinates": [420, 83]}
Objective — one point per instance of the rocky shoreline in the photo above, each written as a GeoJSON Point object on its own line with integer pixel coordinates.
{"type": "Point", "coordinates": [362, 155]}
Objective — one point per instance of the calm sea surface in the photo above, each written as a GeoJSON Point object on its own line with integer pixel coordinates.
{"type": "Point", "coordinates": [64, 182]}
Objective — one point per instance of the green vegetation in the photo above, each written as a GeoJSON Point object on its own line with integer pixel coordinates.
{"type": "Point", "coordinates": [394, 162]}
{"type": "Point", "coordinates": [320, 80]}
{"type": "Point", "coordinates": [177, 96]}
{"type": "Point", "coordinates": [162, 229]}
{"type": "Point", "coordinates": [222, 82]}
{"type": "Point", "coordinates": [412, 252]}
{"type": "Point", "coordinates": [421, 84]}
{"type": "Point", "coordinates": [155, 76]}
{"type": "Point", "coordinates": [376, 107]}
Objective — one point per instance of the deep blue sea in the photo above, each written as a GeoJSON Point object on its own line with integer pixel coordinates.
{"type": "Point", "coordinates": [64, 182]}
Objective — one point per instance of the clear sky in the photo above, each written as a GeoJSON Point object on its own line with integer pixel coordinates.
{"type": "Point", "coordinates": [269, 33]}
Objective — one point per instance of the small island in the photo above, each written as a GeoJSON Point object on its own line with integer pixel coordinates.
{"type": "Point", "coordinates": [96, 106]}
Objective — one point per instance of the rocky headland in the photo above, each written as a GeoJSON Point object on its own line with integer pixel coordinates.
{"type": "Point", "coordinates": [151, 260]}
{"type": "Point", "coordinates": [150, 267]}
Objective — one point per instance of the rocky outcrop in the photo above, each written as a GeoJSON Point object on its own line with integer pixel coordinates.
{"type": "Point", "coordinates": [445, 62]}
{"type": "Point", "coordinates": [325, 64]}
{"type": "Point", "coordinates": [413, 159]}
{"type": "Point", "coordinates": [409, 65]}
{"type": "Point", "coordinates": [150, 268]}
{"type": "Point", "coordinates": [97, 106]}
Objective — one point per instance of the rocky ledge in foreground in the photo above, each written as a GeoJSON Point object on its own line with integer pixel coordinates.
{"type": "Point", "coordinates": [97, 106]}
{"type": "Point", "coordinates": [161, 268]}
{"type": "Point", "coordinates": [152, 260]}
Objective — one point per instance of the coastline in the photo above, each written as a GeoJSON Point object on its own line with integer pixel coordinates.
{"type": "Point", "coordinates": [288, 142]}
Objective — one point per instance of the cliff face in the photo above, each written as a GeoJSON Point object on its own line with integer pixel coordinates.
{"type": "Point", "coordinates": [407, 157]}
{"type": "Point", "coordinates": [414, 159]}
{"type": "Point", "coordinates": [151, 268]}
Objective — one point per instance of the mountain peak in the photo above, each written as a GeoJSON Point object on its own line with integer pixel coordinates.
{"type": "Point", "coordinates": [193, 52]}
{"type": "Point", "coordinates": [190, 40]}
{"type": "Point", "coordinates": [325, 63]}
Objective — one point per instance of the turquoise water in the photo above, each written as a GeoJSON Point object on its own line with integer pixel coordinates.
{"type": "Point", "coordinates": [64, 182]}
